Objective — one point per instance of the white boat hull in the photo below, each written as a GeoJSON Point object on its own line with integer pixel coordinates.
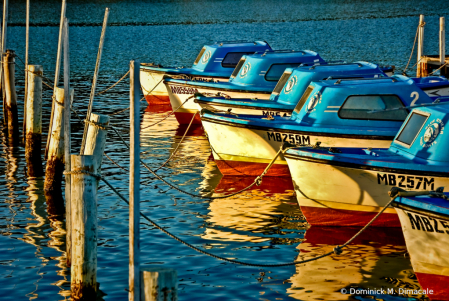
{"type": "Point", "coordinates": [427, 241]}
{"type": "Point", "coordinates": [332, 195]}
{"type": "Point", "coordinates": [247, 151]}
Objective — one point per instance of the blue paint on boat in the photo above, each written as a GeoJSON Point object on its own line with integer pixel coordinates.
{"type": "Point", "coordinates": [427, 203]}
{"type": "Point", "coordinates": [216, 60]}
{"type": "Point", "coordinates": [258, 72]}
{"type": "Point", "coordinates": [342, 107]}
{"type": "Point", "coordinates": [420, 147]}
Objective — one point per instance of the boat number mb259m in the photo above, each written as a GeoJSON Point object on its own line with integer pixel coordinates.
{"type": "Point", "coordinates": [406, 181]}
{"type": "Point", "coordinates": [290, 138]}
{"type": "Point", "coordinates": [425, 224]}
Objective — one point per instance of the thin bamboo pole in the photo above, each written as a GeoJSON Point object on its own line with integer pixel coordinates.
{"type": "Point", "coordinates": [94, 82]}
{"type": "Point", "coordinates": [419, 70]}
{"type": "Point", "coordinates": [57, 71]}
{"type": "Point", "coordinates": [67, 141]}
{"type": "Point", "coordinates": [11, 97]}
{"type": "Point", "coordinates": [134, 184]}
{"type": "Point", "coordinates": [442, 41]}
{"type": "Point", "coordinates": [2, 80]}
{"type": "Point", "coordinates": [26, 67]}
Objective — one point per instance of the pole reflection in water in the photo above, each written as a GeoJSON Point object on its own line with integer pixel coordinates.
{"type": "Point", "coordinates": [374, 260]}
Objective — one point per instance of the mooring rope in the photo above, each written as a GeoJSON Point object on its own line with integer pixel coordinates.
{"type": "Point", "coordinates": [337, 250]}
{"type": "Point", "coordinates": [413, 49]}
{"type": "Point", "coordinates": [123, 77]}
{"type": "Point", "coordinates": [179, 144]}
{"type": "Point", "coordinates": [168, 115]}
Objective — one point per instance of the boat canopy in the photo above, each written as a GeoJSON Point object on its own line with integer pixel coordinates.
{"type": "Point", "coordinates": [218, 59]}
{"type": "Point", "coordinates": [294, 82]}
{"type": "Point", "coordinates": [348, 102]}
{"type": "Point", "coordinates": [262, 69]}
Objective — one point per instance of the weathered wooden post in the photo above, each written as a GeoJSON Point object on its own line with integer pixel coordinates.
{"type": "Point", "coordinates": [67, 142]}
{"type": "Point", "coordinates": [4, 34]}
{"type": "Point", "coordinates": [33, 129]}
{"type": "Point", "coordinates": [57, 70]}
{"type": "Point", "coordinates": [96, 138]}
{"type": "Point", "coordinates": [27, 30]}
{"type": "Point", "coordinates": [158, 284]}
{"type": "Point", "coordinates": [84, 228]}
{"type": "Point", "coordinates": [442, 46]}
{"type": "Point", "coordinates": [55, 164]}
{"type": "Point", "coordinates": [11, 97]}
{"type": "Point", "coordinates": [134, 183]}
{"type": "Point", "coordinates": [420, 67]}
{"type": "Point", "coordinates": [94, 82]}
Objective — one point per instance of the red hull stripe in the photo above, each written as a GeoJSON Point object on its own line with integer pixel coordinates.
{"type": "Point", "coordinates": [437, 283]}
{"type": "Point", "coordinates": [339, 217]}
{"type": "Point", "coordinates": [185, 118]}
{"type": "Point", "coordinates": [241, 168]}
{"type": "Point", "coordinates": [157, 100]}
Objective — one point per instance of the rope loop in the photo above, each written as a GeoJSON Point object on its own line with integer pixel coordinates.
{"type": "Point", "coordinates": [98, 125]}
{"type": "Point", "coordinates": [83, 172]}
{"type": "Point", "coordinates": [338, 250]}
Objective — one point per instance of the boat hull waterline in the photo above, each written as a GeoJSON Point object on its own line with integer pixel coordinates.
{"type": "Point", "coordinates": [244, 151]}
{"type": "Point", "coordinates": [333, 195]}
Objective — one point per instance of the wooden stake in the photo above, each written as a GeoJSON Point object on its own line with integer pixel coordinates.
{"type": "Point", "coordinates": [419, 71]}
{"type": "Point", "coordinates": [134, 184]}
{"type": "Point", "coordinates": [57, 71]}
{"type": "Point", "coordinates": [442, 41]}
{"type": "Point", "coordinates": [94, 82]}
{"type": "Point", "coordinates": [67, 141]}
{"type": "Point", "coordinates": [55, 160]}
{"type": "Point", "coordinates": [26, 66]}
{"type": "Point", "coordinates": [11, 97]}
{"type": "Point", "coordinates": [96, 138]}
{"type": "Point", "coordinates": [33, 130]}
{"type": "Point", "coordinates": [84, 229]}
{"type": "Point", "coordinates": [158, 284]}
{"type": "Point", "coordinates": [4, 33]}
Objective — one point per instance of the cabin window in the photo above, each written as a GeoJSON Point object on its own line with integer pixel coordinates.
{"type": "Point", "coordinates": [276, 70]}
{"type": "Point", "coordinates": [303, 99]}
{"type": "Point", "coordinates": [238, 67]}
{"type": "Point", "coordinates": [281, 83]}
{"type": "Point", "coordinates": [412, 128]}
{"type": "Point", "coordinates": [362, 107]}
{"type": "Point", "coordinates": [232, 58]}
{"type": "Point", "coordinates": [199, 56]}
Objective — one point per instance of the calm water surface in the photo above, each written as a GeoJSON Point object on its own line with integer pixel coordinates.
{"type": "Point", "coordinates": [263, 225]}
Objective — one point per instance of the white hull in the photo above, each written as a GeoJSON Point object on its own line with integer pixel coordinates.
{"type": "Point", "coordinates": [427, 242]}
{"type": "Point", "coordinates": [244, 111]}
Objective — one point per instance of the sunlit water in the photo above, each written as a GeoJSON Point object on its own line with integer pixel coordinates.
{"type": "Point", "coordinates": [263, 225]}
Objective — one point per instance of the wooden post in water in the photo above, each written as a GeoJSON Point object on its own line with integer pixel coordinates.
{"type": "Point", "coordinates": [96, 138]}
{"type": "Point", "coordinates": [67, 142]}
{"type": "Point", "coordinates": [57, 70]}
{"type": "Point", "coordinates": [94, 82]}
{"type": "Point", "coordinates": [55, 158]}
{"type": "Point", "coordinates": [84, 229]}
{"type": "Point", "coordinates": [2, 80]}
{"type": "Point", "coordinates": [134, 183]}
{"type": "Point", "coordinates": [27, 30]}
{"type": "Point", "coordinates": [442, 46]}
{"type": "Point", "coordinates": [11, 97]}
{"type": "Point", "coordinates": [158, 284]}
{"type": "Point", "coordinates": [33, 129]}
{"type": "Point", "coordinates": [420, 67]}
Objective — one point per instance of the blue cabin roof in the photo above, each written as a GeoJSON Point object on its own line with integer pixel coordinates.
{"type": "Point", "coordinates": [260, 71]}
{"type": "Point", "coordinates": [294, 82]}
{"type": "Point", "coordinates": [345, 107]}
{"type": "Point", "coordinates": [218, 59]}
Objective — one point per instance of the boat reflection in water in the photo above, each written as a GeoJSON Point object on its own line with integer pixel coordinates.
{"type": "Point", "coordinates": [254, 215]}
{"type": "Point", "coordinates": [374, 260]}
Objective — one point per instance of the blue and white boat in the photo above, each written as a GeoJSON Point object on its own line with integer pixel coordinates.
{"type": "Point", "coordinates": [348, 186]}
{"type": "Point", "coordinates": [214, 62]}
{"type": "Point", "coordinates": [255, 76]}
{"type": "Point", "coordinates": [425, 224]}
{"type": "Point", "coordinates": [332, 112]}
{"type": "Point", "coordinates": [294, 83]}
